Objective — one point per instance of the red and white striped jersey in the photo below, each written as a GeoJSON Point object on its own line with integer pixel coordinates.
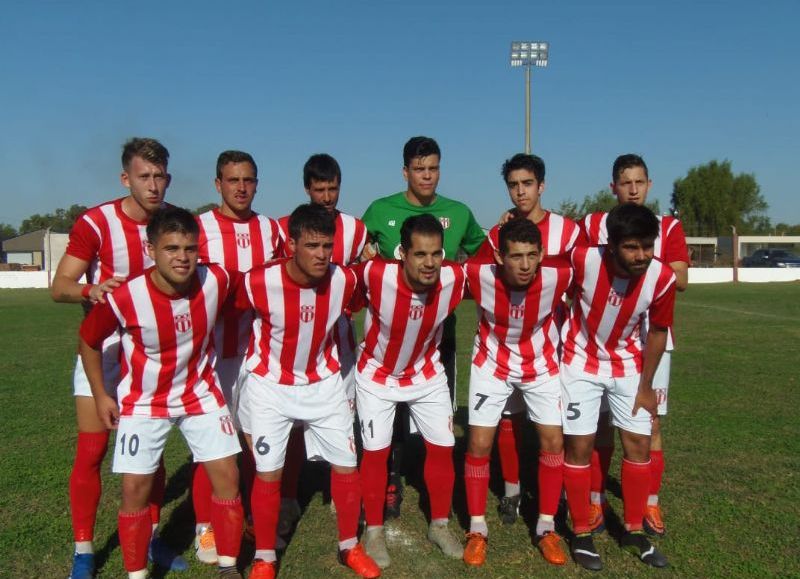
{"type": "Point", "coordinates": [518, 334]}
{"type": "Point", "coordinates": [603, 332]}
{"type": "Point", "coordinates": [348, 242]}
{"type": "Point", "coordinates": [112, 243]}
{"type": "Point", "coordinates": [167, 343]}
{"type": "Point", "coordinates": [239, 246]}
{"type": "Point", "coordinates": [559, 235]}
{"type": "Point", "coordinates": [403, 328]}
{"type": "Point", "coordinates": [670, 244]}
{"type": "Point", "coordinates": [292, 333]}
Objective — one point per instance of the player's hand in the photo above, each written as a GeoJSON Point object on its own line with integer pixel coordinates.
{"type": "Point", "coordinates": [97, 293]}
{"type": "Point", "coordinates": [505, 217]}
{"type": "Point", "coordinates": [107, 411]}
{"type": "Point", "coordinates": [368, 252]}
{"type": "Point", "coordinates": [646, 399]}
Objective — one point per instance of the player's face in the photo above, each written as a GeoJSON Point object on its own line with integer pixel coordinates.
{"type": "Point", "coordinates": [632, 186]}
{"type": "Point", "coordinates": [325, 193]}
{"type": "Point", "coordinates": [311, 255]}
{"type": "Point", "coordinates": [175, 255]}
{"type": "Point", "coordinates": [146, 182]}
{"type": "Point", "coordinates": [422, 175]}
{"type": "Point", "coordinates": [524, 190]}
{"type": "Point", "coordinates": [519, 263]}
{"type": "Point", "coordinates": [422, 263]}
{"type": "Point", "coordinates": [633, 256]}
{"type": "Point", "coordinates": [237, 185]}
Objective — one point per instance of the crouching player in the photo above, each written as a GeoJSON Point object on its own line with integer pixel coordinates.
{"type": "Point", "coordinates": [616, 287]}
{"type": "Point", "coordinates": [515, 350]}
{"type": "Point", "coordinates": [294, 375]}
{"type": "Point", "coordinates": [166, 317]}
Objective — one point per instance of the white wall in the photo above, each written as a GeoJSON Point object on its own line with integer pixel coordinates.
{"type": "Point", "coordinates": [23, 279]}
{"type": "Point", "coordinates": [746, 274]}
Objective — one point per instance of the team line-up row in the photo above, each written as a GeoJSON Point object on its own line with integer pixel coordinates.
{"type": "Point", "coordinates": [257, 342]}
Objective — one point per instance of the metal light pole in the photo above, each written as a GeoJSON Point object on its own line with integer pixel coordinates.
{"type": "Point", "coordinates": [529, 54]}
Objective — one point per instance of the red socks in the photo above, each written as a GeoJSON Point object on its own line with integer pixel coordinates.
{"type": "Point", "coordinates": [266, 503]}
{"type": "Point", "coordinates": [440, 476]}
{"type": "Point", "coordinates": [656, 470]}
{"type": "Point", "coordinates": [374, 476]}
{"type": "Point", "coordinates": [551, 480]}
{"type": "Point", "coordinates": [346, 495]}
{"type": "Point", "coordinates": [577, 482]}
{"type": "Point", "coordinates": [635, 487]}
{"type": "Point", "coordinates": [134, 538]}
{"type": "Point", "coordinates": [201, 494]}
{"type": "Point", "coordinates": [227, 518]}
{"type": "Point", "coordinates": [507, 438]}
{"type": "Point", "coordinates": [476, 482]}
{"type": "Point", "coordinates": [84, 483]}
{"type": "Point", "coordinates": [293, 463]}
{"type": "Point", "coordinates": [601, 462]}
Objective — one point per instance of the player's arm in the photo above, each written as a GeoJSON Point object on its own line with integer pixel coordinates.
{"type": "Point", "coordinates": [98, 325]}
{"type": "Point", "coordinates": [653, 350]}
{"type": "Point", "coordinates": [68, 288]}
{"type": "Point", "coordinates": [676, 254]}
{"type": "Point", "coordinates": [681, 270]}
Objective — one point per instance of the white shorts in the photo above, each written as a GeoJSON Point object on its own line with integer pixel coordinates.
{"type": "Point", "coordinates": [429, 405]}
{"type": "Point", "coordinates": [488, 396]}
{"type": "Point", "coordinates": [140, 440]}
{"type": "Point", "coordinates": [231, 373]}
{"type": "Point", "coordinates": [111, 369]}
{"type": "Point", "coordinates": [323, 409]}
{"type": "Point", "coordinates": [661, 382]}
{"type": "Point", "coordinates": [580, 402]}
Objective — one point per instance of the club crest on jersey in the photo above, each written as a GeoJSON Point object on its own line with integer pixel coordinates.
{"type": "Point", "coordinates": [445, 221]}
{"type": "Point", "coordinates": [306, 313]}
{"type": "Point", "coordinates": [243, 240]}
{"type": "Point", "coordinates": [416, 312]}
{"type": "Point", "coordinates": [226, 424]}
{"type": "Point", "coordinates": [615, 299]}
{"type": "Point", "coordinates": [517, 311]}
{"type": "Point", "coordinates": [183, 322]}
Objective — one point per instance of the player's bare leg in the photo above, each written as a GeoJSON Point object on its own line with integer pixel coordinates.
{"type": "Point", "coordinates": [551, 481]}
{"type": "Point", "coordinates": [476, 483]}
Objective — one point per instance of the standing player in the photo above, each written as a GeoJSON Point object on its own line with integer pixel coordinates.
{"type": "Point", "coordinates": [399, 361]}
{"type": "Point", "coordinates": [630, 184]}
{"type": "Point", "coordinates": [237, 238]}
{"type": "Point", "coordinates": [166, 316]}
{"type": "Point", "coordinates": [322, 179]}
{"type": "Point", "coordinates": [294, 376]}
{"type": "Point", "coordinates": [384, 217]}
{"type": "Point", "coordinates": [107, 244]}
{"type": "Point", "coordinates": [616, 287]}
{"type": "Point", "coordinates": [524, 176]}
{"type": "Point", "coordinates": [516, 350]}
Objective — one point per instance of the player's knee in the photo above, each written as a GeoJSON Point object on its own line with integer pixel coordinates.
{"type": "Point", "coordinates": [135, 491]}
{"type": "Point", "coordinates": [552, 442]}
{"type": "Point", "coordinates": [479, 444]}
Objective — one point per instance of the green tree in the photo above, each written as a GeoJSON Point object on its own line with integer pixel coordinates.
{"type": "Point", "coordinates": [7, 231]}
{"type": "Point", "coordinates": [204, 208]}
{"type": "Point", "coordinates": [786, 229]}
{"type": "Point", "coordinates": [60, 221]}
{"type": "Point", "coordinates": [710, 198]}
{"type": "Point", "coordinates": [604, 200]}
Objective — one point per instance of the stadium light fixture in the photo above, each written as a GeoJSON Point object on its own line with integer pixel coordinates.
{"type": "Point", "coordinates": [528, 54]}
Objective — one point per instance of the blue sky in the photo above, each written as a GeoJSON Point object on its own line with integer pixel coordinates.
{"type": "Point", "coordinates": [679, 82]}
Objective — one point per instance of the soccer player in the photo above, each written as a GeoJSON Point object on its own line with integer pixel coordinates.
{"type": "Point", "coordinates": [294, 376]}
{"type": "Point", "coordinates": [616, 287]}
{"type": "Point", "coordinates": [524, 176]}
{"type": "Point", "coordinates": [107, 244]}
{"type": "Point", "coordinates": [165, 317]}
{"type": "Point", "coordinates": [237, 238]}
{"type": "Point", "coordinates": [631, 183]}
{"type": "Point", "coordinates": [399, 361]}
{"type": "Point", "coordinates": [384, 217]}
{"type": "Point", "coordinates": [516, 350]}
{"type": "Point", "coordinates": [322, 179]}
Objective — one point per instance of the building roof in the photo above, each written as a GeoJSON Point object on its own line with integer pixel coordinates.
{"type": "Point", "coordinates": [32, 241]}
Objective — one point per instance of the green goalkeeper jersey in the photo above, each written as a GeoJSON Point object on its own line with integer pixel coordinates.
{"type": "Point", "coordinates": [386, 215]}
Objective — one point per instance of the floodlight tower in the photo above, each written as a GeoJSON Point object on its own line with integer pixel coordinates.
{"type": "Point", "coordinates": [528, 54]}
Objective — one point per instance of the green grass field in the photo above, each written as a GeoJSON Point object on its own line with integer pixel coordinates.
{"type": "Point", "coordinates": [731, 496]}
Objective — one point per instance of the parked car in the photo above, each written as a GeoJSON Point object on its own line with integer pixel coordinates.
{"type": "Point", "coordinates": [771, 258]}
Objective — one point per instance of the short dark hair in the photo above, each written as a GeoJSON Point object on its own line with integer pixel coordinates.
{"type": "Point", "coordinates": [631, 221]}
{"type": "Point", "coordinates": [420, 147]}
{"type": "Point", "coordinates": [532, 163]}
{"type": "Point", "coordinates": [521, 230]}
{"type": "Point", "coordinates": [171, 220]}
{"type": "Point", "coordinates": [148, 149]}
{"type": "Point", "coordinates": [627, 161]}
{"type": "Point", "coordinates": [424, 224]}
{"type": "Point", "coordinates": [321, 167]}
{"type": "Point", "coordinates": [311, 217]}
{"type": "Point", "coordinates": [226, 157]}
